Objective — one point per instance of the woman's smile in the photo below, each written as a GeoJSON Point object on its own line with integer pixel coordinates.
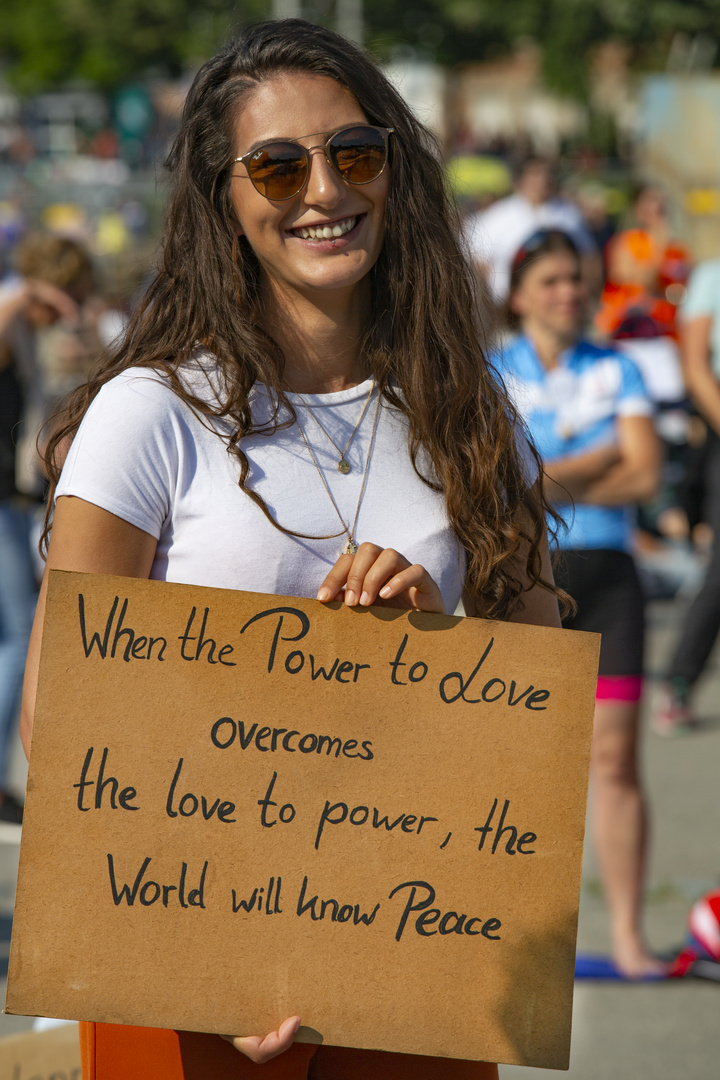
{"type": "Point", "coordinates": [333, 230]}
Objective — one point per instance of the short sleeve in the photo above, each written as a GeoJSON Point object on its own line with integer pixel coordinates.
{"type": "Point", "coordinates": [125, 455]}
{"type": "Point", "coordinates": [633, 398]}
{"type": "Point", "coordinates": [703, 296]}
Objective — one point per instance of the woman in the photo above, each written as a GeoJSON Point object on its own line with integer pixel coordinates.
{"type": "Point", "coordinates": [700, 354]}
{"type": "Point", "coordinates": [300, 404]}
{"type": "Point", "coordinates": [55, 276]}
{"type": "Point", "coordinates": [587, 411]}
{"type": "Point", "coordinates": [646, 268]}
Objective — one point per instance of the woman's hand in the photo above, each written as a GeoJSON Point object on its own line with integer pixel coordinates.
{"type": "Point", "coordinates": [259, 1049]}
{"type": "Point", "coordinates": [375, 575]}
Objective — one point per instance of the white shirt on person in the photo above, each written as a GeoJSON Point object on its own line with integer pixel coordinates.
{"type": "Point", "coordinates": [143, 454]}
{"type": "Point", "coordinates": [495, 235]}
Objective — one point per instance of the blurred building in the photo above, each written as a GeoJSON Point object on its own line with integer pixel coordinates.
{"type": "Point", "coordinates": [504, 103]}
{"type": "Point", "coordinates": [678, 146]}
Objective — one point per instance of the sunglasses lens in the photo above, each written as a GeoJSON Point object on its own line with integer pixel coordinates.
{"type": "Point", "coordinates": [359, 154]}
{"type": "Point", "coordinates": [278, 171]}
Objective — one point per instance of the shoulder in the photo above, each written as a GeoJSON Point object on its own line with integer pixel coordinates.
{"type": "Point", "coordinates": [590, 354]}
{"type": "Point", "coordinates": [613, 372]}
{"type": "Point", "coordinates": [513, 358]}
{"type": "Point", "coordinates": [148, 391]}
{"type": "Point", "coordinates": [143, 384]}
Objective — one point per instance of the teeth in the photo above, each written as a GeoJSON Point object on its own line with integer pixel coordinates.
{"type": "Point", "coordinates": [327, 232]}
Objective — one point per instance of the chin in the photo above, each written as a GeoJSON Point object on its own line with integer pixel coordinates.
{"type": "Point", "coordinates": [331, 279]}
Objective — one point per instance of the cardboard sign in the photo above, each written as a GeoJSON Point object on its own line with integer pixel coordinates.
{"type": "Point", "coordinates": [41, 1055]}
{"type": "Point", "coordinates": [244, 806]}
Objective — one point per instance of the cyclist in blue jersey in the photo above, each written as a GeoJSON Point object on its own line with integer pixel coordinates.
{"type": "Point", "coordinates": [587, 410]}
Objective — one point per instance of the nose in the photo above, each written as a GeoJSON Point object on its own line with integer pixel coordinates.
{"type": "Point", "coordinates": [324, 187]}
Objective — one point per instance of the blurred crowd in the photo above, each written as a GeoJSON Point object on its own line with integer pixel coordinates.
{"type": "Point", "coordinates": [642, 297]}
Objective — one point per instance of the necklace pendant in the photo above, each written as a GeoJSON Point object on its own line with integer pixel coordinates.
{"type": "Point", "coordinates": [343, 466]}
{"type": "Point", "coordinates": [350, 548]}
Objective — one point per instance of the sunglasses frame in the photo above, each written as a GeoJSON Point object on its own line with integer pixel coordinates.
{"type": "Point", "coordinates": [306, 150]}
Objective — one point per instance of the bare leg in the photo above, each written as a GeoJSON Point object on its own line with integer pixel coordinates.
{"type": "Point", "coordinates": [620, 830]}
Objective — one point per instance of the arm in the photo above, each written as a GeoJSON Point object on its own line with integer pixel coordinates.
{"type": "Point", "coordinates": [90, 540]}
{"type": "Point", "coordinates": [702, 384]}
{"type": "Point", "coordinates": [632, 477]}
{"type": "Point", "coordinates": [539, 607]}
{"type": "Point", "coordinates": [570, 476]}
{"type": "Point", "coordinates": [35, 294]}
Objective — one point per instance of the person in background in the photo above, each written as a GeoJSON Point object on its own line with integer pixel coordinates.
{"type": "Point", "coordinates": [494, 235]}
{"type": "Point", "coordinates": [51, 270]}
{"type": "Point", "coordinates": [588, 413]}
{"type": "Point", "coordinates": [700, 356]}
{"type": "Point", "coordinates": [646, 268]}
{"type": "Point", "coordinates": [42, 327]}
{"type": "Point", "coordinates": [18, 589]}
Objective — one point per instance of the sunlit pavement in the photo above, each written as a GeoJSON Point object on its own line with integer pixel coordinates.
{"type": "Point", "coordinates": [665, 1031]}
{"type": "Point", "coordinates": [668, 1030]}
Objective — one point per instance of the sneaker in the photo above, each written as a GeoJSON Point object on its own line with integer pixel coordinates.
{"type": "Point", "coordinates": [671, 713]}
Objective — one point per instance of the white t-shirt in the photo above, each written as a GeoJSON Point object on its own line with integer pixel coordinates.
{"type": "Point", "coordinates": [495, 235]}
{"type": "Point", "coordinates": [142, 454]}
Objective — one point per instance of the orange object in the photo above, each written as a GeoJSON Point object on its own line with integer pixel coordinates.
{"type": "Point", "coordinates": [660, 302]}
{"type": "Point", "coordinates": [120, 1052]}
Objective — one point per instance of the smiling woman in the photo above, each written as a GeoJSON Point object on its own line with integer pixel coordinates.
{"type": "Point", "coordinates": [300, 405]}
{"type": "Point", "coordinates": [587, 408]}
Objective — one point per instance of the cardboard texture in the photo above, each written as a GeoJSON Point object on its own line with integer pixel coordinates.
{"type": "Point", "coordinates": [41, 1055]}
{"type": "Point", "coordinates": [244, 806]}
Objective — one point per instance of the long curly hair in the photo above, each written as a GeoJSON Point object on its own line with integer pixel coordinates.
{"type": "Point", "coordinates": [423, 341]}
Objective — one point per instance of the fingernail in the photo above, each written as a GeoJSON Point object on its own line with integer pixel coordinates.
{"type": "Point", "coordinates": [385, 592]}
{"type": "Point", "coordinates": [350, 598]}
{"type": "Point", "coordinates": [365, 598]}
{"type": "Point", "coordinates": [323, 594]}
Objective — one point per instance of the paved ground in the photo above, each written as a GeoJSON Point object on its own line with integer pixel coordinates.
{"type": "Point", "coordinates": [669, 1031]}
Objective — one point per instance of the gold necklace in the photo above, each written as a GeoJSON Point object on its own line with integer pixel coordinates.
{"type": "Point", "coordinates": [351, 545]}
{"type": "Point", "coordinates": [343, 465]}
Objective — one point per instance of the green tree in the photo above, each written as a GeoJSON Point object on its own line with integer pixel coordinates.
{"type": "Point", "coordinates": [472, 30]}
{"type": "Point", "coordinates": [47, 43]}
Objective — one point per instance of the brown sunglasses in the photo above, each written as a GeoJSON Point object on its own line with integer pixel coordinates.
{"type": "Point", "coordinates": [279, 170]}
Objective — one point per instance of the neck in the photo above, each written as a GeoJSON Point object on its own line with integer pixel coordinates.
{"type": "Point", "coordinates": [548, 344]}
{"type": "Point", "coordinates": [319, 336]}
